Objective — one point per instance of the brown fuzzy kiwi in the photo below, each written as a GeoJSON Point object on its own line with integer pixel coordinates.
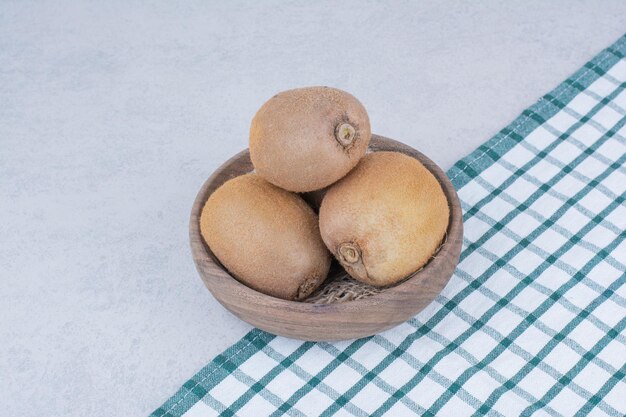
{"type": "Point", "coordinates": [308, 138]}
{"type": "Point", "coordinates": [266, 237]}
{"type": "Point", "coordinates": [385, 219]}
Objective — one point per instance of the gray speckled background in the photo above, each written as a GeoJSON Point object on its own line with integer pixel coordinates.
{"type": "Point", "coordinates": [112, 114]}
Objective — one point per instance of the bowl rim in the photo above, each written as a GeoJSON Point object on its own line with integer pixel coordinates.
{"type": "Point", "coordinates": [203, 255]}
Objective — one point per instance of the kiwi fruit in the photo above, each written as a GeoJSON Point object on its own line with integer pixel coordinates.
{"type": "Point", "coordinates": [307, 138]}
{"type": "Point", "coordinates": [268, 238]}
{"type": "Point", "coordinates": [385, 219]}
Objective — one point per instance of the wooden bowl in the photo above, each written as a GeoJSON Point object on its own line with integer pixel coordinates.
{"type": "Point", "coordinates": [337, 321]}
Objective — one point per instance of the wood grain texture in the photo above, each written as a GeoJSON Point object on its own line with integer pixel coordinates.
{"type": "Point", "coordinates": [340, 321]}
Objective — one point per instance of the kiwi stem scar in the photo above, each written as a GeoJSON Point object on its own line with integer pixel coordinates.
{"type": "Point", "coordinates": [349, 252]}
{"type": "Point", "coordinates": [345, 134]}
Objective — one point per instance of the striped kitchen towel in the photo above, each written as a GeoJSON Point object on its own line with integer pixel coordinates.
{"type": "Point", "coordinates": [531, 323]}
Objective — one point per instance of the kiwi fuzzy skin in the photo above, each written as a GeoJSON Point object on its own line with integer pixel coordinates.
{"type": "Point", "coordinates": [268, 238]}
{"type": "Point", "coordinates": [307, 138]}
{"type": "Point", "coordinates": [385, 219]}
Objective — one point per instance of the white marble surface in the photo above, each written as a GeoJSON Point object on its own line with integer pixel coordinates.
{"type": "Point", "coordinates": [113, 113]}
